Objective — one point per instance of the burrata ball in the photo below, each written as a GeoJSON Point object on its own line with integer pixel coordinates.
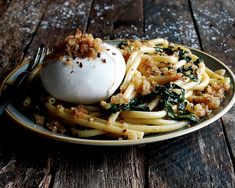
{"type": "Point", "coordinates": [84, 80]}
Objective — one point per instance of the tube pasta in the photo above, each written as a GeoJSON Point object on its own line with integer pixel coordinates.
{"type": "Point", "coordinates": [193, 57]}
{"type": "Point", "coordinates": [180, 63]}
{"type": "Point", "coordinates": [153, 103]}
{"type": "Point", "coordinates": [150, 65]}
{"type": "Point", "coordinates": [141, 114]}
{"type": "Point", "coordinates": [163, 79]}
{"type": "Point", "coordinates": [128, 94]}
{"type": "Point", "coordinates": [189, 85]}
{"type": "Point", "coordinates": [176, 46]}
{"type": "Point", "coordinates": [87, 133]}
{"type": "Point", "coordinates": [213, 74]}
{"type": "Point", "coordinates": [132, 69]}
{"type": "Point", "coordinates": [159, 129]}
{"type": "Point", "coordinates": [86, 122]}
{"type": "Point", "coordinates": [146, 49]}
{"type": "Point", "coordinates": [167, 59]}
{"type": "Point", "coordinates": [128, 130]}
{"type": "Point", "coordinates": [158, 41]}
{"type": "Point", "coordinates": [153, 121]}
{"type": "Point", "coordinates": [27, 102]}
{"type": "Point", "coordinates": [131, 59]}
{"type": "Point", "coordinates": [51, 99]}
{"type": "Point", "coordinates": [204, 82]}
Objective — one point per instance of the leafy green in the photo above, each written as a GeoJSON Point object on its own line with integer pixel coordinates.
{"type": "Point", "coordinates": [190, 117]}
{"type": "Point", "coordinates": [167, 51]}
{"type": "Point", "coordinates": [182, 56]}
{"type": "Point", "coordinates": [136, 104]}
{"type": "Point", "coordinates": [169, 109]}
{"type": "Point", "coordinates": [171, 94]}
{"type": "Point", "coordinates": [122, 44]}
{"type": "Point", "coordinates": [199, 60]}
{"type": "Point", "coordinates": [188, 72]}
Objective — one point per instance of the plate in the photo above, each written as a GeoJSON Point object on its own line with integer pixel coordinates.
{"type": "Point", "coordinates": [210, 62]}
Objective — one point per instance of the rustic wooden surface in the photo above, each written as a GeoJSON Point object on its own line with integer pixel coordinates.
{"type": "Point", "coordinates": [201, 159]}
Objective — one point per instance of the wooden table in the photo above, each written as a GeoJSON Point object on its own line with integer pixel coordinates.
{"type": "Point", "coordinates": [201, 159]}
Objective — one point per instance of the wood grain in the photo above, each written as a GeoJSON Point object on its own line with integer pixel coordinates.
{"type": "Point", "coordinates": [4, 4]}
{"type": "Point", "coordinates": [191, 161]}
{"type": "Point", "coordinates": [116, 19]}
{"type": "Point", "coordinates": [25, 158]}
{"type": "Point", "coordinates": [26, 165]}
{"type": "Point", "coordinates": [100, 167]}
{"type": "Point", "coordinates": [201, 159]}
{"type": "Point", "coordinates": [171, 20]}
{"type": "Point", "coordinates": [216, 25]}
{"type": "Point", "coordinates": [61, 19]}
{"type": "Point", "coordinates": [187, 160]}
{"type": "Point", "coordinates": [97, 166]}
{"type": "Point", "coordinates": [217, 34]}
{"type": "Point", "coordinates": [16, 30]}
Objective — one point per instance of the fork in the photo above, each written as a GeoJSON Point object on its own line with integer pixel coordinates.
{"type": "Point", "coordinates": [12, 89]}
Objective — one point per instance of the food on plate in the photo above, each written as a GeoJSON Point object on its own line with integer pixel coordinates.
{"type": "Point", "coordinates": [126, 91]}
{"type": "Point", "coordinates": [83, 70]}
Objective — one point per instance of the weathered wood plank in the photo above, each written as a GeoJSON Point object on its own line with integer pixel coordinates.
{"type": "Point", "coordinates": [97, 166]}
{"type": "Point", "coordinates": [24, 157]}
{"type": "Point", "coordinates": [25, 165]}
{"type": "Point", "coordinates": [171, 20]}
{"type": "Point", "coordinates": [116, 19]}
{"type": "Point", "coordinates": [4, 4]}
{"type": "Point", "coordinates": [194, 160]}
{"type": "Point", "coordinates": [100, 167]}
{"type": "Point", "coordinates": [17, 26]}
{"type": "Point", "coordinates": [19, 167]}
{"type": "Point", "coordinates": [216, 24]}
{"type": "Point", "coordinates": [61, 19]}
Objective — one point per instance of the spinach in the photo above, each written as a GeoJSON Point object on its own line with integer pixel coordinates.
{"type": "Point", "coordinates": [167, 51]}
{"type": "Point", "coordinates": [199, 60]}
{"type": "Point", "coordinates": [188, 72]}
{"type": "Point", "coordinates": [169, 97]}
{"type": "Point", "coordinates": [190, 117]}
{"type": "Point", "coordinates": [158, 49]}
{"type": "Point", "coordinates": [181, 107]}
{"type": "Point", "coordinates": [136, 104]}
{"type": "Point", "coordinates": [114, 108]}
{"type": "Point", "coordinates": [182, 56]}
{"type": "Point", "coordinates": [169, 109]}
{"type": "Point", "coordinates": [122, 44]}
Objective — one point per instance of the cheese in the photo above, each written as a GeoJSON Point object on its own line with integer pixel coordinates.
{"type": "Point", "coordinates": [84, 81]}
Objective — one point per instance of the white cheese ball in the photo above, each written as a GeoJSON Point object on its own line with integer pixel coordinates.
{"type": "Point", "coordinates": [85, 81]}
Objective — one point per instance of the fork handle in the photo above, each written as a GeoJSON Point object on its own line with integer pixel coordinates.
{"type": "Point", "coordinates": [7, 94]}
{"type": "Point", "coordinates": [3, 106]}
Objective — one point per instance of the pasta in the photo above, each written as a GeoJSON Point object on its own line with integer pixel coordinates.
{"type": "Point", "coordinates": [165, 88]}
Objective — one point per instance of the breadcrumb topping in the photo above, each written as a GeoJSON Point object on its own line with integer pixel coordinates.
{"type": "Point", "coordinates": [79, 45]}
{"type": "Point", "coordinates": [83, 45]}
{"type": "Point", "coordinates": [78, 112]}
{"type": "Point", "coordinates": [203, 102]}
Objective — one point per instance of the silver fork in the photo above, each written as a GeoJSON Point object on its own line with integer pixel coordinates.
{"type": "Point", "coordinates": [10, 90]}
